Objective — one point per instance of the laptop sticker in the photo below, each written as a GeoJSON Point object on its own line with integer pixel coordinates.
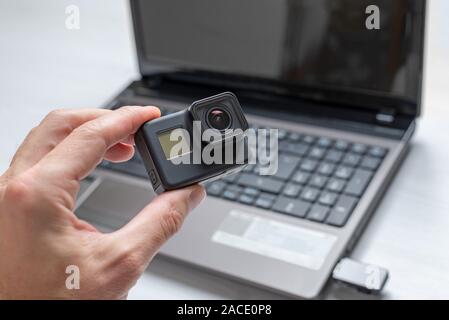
{"type": "Point", "coordinates": [277, 240]}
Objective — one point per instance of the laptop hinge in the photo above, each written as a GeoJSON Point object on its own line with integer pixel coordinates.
{"type": "Point", "coordinates": [386, 116]}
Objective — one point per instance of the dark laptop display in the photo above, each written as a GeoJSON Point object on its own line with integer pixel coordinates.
{"type": "Point", "coordinates": [301, 45]}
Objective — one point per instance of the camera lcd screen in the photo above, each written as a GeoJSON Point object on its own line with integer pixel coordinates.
{"type": "Point", "coordinates": [167, 144]}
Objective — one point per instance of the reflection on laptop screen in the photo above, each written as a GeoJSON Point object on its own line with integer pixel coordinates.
{"type": "Point", "coordinates": [308, 42]}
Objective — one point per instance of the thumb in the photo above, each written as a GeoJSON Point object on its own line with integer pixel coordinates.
{"type": "Point", "coordinates": [158, 221]}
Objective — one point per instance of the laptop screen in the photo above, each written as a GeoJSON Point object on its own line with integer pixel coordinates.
{"type": "Point", "coordinates": [347, 45]}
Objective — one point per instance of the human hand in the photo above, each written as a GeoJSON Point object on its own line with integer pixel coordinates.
{"type": "Point", "coordinates": [40, 236]}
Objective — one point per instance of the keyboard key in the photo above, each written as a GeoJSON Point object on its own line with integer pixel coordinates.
{"type": "Point", "coordinates": [324, 142]}
{"type": "Point", "coordinates": [264, 202]}
{"type": "Point", "coordinates": [231, 178]}
{"type": "Point", "coordinates": [216, 188]}
{"type": "Point", "coordinates": [235, 188]}
{"type": "Point", "coordinates": [370, 163]}
{"type": "Point", "coordinates": [341, 145]}
{"type": "Point", "coordinates": [290, 206]}
{"type": "Point", "coordinates": [358, 183]}
{"type": "Point", "coordinates": [282, 134]}
{"type": "Point", "coordinates": [310, 194]}
{"type": "Point", "coordinates": [268, 196]}
{"type": "Point", "coordinates": [318, 181]}
{"type": "Point", "coordinates": [286, 166]}
{"type": "Point", "coordinates": [328, 198]}
{"type": "Point", "coordinates": [318, 213]}
{"type": "Point", "coordinates": [351, 159]}
{"type": "Point", "coordinates": [291, 190]}
{"type": "Point", "coordinates": [341, 212]}
{"type": "Point", "coordinates": [317, 153]}
{"type": "Point", "coordinates": [301, 177]}
{"type": "Point", "coordinates": [286, 146]}
{"type": "Point", "coordinates": [260, 182]}
{"type": "Point", "coordinates": [336, 185]}
{"type": "Point", "coordinates": [246, 199]}
{"type": "Point", "coordinates": [326, 168]}
{"type": "Point", "coordinates": [318, 178]}
{"type": "Point", "coordinates": [230, 194]}
{"type": "Point", "coordinates": [377, 152]}
{"type": "Point", "coordinates": [334, 156]}
{"type": "Point", "coordinates": [257, 169]}
{"type": "Point", "coordinates": [294, 137]}
{"type": "Point", "coordinates": [299, 149]}
{"type": "Point", "coordinates": [359, 148]}
{"type": "Point", "coordinates": [344, 172]}
{"type": "Point", "coordinates": [308, 165]}
{"type": "Point", "coordinates": [307, 139]}
{"type": "Point", "coordinates": [251, 192]}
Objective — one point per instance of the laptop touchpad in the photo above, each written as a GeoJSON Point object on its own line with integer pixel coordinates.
{"type": "Point", "coordinates": [112, 203]}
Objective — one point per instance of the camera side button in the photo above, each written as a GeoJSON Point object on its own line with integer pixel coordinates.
{"type": "Point", "coordinates": [153, 177]}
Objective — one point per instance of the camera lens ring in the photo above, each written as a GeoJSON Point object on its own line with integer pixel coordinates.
{"type": "Point", "coordinates": [218, 118]}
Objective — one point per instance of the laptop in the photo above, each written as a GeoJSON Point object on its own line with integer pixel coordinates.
{"type": "Point", "coordinates": [344, 95]}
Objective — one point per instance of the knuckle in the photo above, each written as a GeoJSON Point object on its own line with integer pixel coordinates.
{"type": "Point", "coordinates": [17, 191]}
{"type": "Point", "coordinates": [57, 114]}
{"type": "Point", "coordinates": [128, 113]}
{"type": "Point", "coordinates": [91, 131]}
{"type": "Point", "coordinates": [90, 128]}
{"type": "Point", "coordinates": [127, 109]}
{"type": "Point", "coordinates": [64, 129]}
{"type": "Point", "coordinates": [60, 121]}
{"type": "Point", "coordinates": [33, 131]}
{"type": "Point", "coordinates": [132, 263]}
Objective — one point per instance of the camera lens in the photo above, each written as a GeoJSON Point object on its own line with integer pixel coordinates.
{"type": "Point", "coordinates": [219, 119]}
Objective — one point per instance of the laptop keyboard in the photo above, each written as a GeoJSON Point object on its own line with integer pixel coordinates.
{"type": "Point", "coordinates": [318, 178]}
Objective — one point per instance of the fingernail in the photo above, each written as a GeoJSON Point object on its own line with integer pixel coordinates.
{"type": "Point", "coordinates": [197, 196]}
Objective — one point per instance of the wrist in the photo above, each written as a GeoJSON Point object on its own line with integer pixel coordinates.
{"type": "Point", "coordinates": [3, 295]}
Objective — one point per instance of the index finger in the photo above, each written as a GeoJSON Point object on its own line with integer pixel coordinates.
{"type": "Point", "coordinates": [78, 154]}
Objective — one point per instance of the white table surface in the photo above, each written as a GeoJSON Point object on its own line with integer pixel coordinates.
{"type": "Point", "coordinates": [44, 66]}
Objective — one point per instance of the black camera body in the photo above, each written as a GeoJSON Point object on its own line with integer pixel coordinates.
{"type": "Point", "coordinates": [221, 113]}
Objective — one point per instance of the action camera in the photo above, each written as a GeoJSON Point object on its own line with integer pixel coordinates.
{"type": "Point", "coordinates": [202, 143]}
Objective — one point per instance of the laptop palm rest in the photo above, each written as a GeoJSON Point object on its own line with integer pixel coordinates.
{"type": "Point", "coordinates": [109, 203]}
